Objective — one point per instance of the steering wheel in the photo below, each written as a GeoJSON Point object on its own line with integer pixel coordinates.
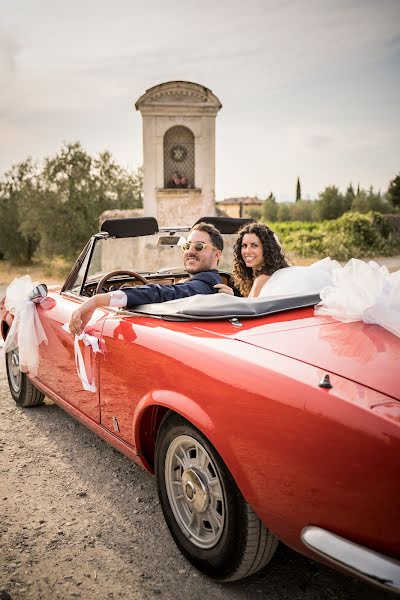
{"type": "Point", "coordinates": [108, 276]}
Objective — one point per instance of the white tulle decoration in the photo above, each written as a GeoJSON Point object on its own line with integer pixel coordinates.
{"type": "Point", "coordinates": [26, 332]}
{"type": "Point", "coordinates": [362, 291]}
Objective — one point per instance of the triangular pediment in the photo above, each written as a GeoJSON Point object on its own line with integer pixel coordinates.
{"type": "Point", "coordinates": [178, 93]}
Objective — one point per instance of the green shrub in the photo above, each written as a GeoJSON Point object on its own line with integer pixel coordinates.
{"type": "Point", "coordinates": [351, 235]}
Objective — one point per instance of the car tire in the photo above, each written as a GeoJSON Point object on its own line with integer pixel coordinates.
{"type": "Point", "coordinates": [211, 523]}
{"type": "Point", "coordinates": [22, 389]}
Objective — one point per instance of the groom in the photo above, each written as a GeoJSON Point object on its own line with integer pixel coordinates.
{"type": "Point", "coordinates": [201, 255]}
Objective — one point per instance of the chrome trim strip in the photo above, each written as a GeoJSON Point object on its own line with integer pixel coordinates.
{"type": "Point", "coordinates": [362, 562]}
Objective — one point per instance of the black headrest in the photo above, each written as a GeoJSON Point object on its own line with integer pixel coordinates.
{"type": "Point", "coordinates": [132, 227]}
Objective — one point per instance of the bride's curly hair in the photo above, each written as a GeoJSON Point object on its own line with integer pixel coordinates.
{"type": "Point", "coordinates": [274, 257]}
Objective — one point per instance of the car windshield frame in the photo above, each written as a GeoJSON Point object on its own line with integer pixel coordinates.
{"type": "Point", "coordinates": [149, 255]}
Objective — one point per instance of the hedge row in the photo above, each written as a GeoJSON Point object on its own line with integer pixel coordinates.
{"type": "Point", "coordinates": [352, 235]}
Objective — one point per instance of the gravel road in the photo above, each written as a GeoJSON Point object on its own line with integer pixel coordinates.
{"type": "Point", "coordinates": [79, 520]}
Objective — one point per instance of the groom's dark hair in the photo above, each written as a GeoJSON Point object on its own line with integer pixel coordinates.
{"type": "Point", "coordinates": [213, 232]}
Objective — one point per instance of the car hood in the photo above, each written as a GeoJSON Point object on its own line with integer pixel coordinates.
{"type": "Point", "coordinates": [366, 354]}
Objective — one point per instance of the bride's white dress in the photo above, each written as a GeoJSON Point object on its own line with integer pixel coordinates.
{"type": "Point", "coordinates": [359, 291]}
{"type": "Point", "coordinates": [301, 280]}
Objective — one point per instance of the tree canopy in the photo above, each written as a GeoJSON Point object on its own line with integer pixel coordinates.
{"type": "Point", "coordinates": [52, 209]}
{"type": "Point", "coordinates": [332, 204]}
{"type": "Point", "coordinates": [394, 191]}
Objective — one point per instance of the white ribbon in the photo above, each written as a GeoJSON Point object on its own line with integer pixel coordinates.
{"type": "Point", "coordinates": [88, 340]}
{"type": "Point", "coordinates": [26, 332]}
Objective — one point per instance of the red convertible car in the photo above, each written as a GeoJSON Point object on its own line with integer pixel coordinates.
{"type": "Point", "coordinates": [261, 421]}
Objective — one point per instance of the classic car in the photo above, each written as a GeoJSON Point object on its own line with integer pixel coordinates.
{"type": "Point", "coordinates": [261, 420]}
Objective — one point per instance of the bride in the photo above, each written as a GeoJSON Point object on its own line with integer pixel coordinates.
{"type": "Point", "coordinates": [358, 291]}
{"type": "Point", "coordinates": [257, 255]}
{"type": "Point", "coordinates": [261, 268]}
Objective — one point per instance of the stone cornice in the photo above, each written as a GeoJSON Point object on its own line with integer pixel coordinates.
{"type": "Point", "coordinates": [174, 192]}
{"type": "Point", "coordinates": [178, 97]}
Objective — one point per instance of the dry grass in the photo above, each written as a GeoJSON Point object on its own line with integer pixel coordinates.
{"type": "Point", "coordinates": [50, 272]}
{"type": "Point", "coordinates": [299, 261]}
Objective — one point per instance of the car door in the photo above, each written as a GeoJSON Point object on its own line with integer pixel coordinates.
{"type": "Point", "coordinates": [133, 364]}
{"type": "Point", "coordinates": [58, 368]}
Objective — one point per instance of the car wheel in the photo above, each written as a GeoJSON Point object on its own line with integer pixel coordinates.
{"type": "Point", "coordinates": [22, 390]}
{"type": "Point", "coordinates": [212, 524]}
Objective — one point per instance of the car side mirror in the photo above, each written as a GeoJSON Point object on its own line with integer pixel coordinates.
{"type": "Point", "coordinates": [39, 296]}
{"type": "Point", "coordinates": [38, 293]}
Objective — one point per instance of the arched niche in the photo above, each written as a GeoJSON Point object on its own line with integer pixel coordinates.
{"type": "Point", "coordinates": [179, 157]}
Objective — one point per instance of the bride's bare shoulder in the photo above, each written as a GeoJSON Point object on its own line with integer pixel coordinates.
{"type": "Point", "coordinates": [257, 286]}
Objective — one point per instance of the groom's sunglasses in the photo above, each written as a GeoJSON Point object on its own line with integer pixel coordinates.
{"type": "Point", "coordinates": [198, 246]}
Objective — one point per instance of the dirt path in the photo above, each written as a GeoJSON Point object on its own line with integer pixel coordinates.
{"type": "Point", "coordinates": [79, 520]}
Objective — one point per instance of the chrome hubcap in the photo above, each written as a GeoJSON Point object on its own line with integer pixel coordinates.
{"type": "Point", "coordinates": [13, 370]}
{"type": "Point", "coordinates": [195, 491]}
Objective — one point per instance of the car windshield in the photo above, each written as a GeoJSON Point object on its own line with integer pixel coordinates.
{"type": "Point", "coordinates": [146, 255]}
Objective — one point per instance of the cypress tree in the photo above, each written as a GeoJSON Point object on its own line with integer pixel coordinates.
{"type": "Point", "coordinates": [298, 190]}
{"type": "Point", "coordinates": [394, 191]}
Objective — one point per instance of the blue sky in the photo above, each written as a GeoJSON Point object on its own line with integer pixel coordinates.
{"type": "Point", "coordinates": [309, 88]}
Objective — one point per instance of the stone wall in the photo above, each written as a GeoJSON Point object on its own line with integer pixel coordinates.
{"type": "Point", "coordinates": [180, 207]}
{"type": "Point", "coordinates": [143, 254]}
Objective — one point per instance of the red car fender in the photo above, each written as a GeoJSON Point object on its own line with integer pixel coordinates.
{"type": "Point", "coordinates": [6, 321]}
{"type": "Point", "coordinates": [145, 426]}
{"type": "Point", "coordinates": [147, 418]}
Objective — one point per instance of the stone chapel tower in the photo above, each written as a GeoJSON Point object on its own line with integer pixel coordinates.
{"type": "Point", "coordinates": [178, 151]}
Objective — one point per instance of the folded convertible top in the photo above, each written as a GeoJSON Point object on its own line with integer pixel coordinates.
{"type": "Point", "coordinates": [223, 306]}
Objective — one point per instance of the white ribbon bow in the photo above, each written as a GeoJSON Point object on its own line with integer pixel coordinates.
{"type": "Point", "coordinates": [26, 332]}
{"type": "Point", "coordinates": [88, 340]}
